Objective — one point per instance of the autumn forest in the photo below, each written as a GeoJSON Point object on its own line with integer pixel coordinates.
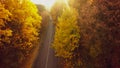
{"type": "Point", "coordinates": [63, 34]}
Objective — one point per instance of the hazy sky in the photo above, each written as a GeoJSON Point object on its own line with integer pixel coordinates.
{"type": "Point", "coordinates": [46, 3]}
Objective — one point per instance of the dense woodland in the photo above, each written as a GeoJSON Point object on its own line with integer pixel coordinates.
{"type": "Point", "coordinates": [87, 32]}
{"type": "Point", "coordinates": [19, 30]}
{"type": "Point", "coordinates": [96, 23]}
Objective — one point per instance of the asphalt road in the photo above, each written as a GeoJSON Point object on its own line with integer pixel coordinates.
{"type": "Point", "coordinates": [46, 56]}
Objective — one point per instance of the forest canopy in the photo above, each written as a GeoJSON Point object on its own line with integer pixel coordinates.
{"type": "Point", "coordinates": [19, 29]}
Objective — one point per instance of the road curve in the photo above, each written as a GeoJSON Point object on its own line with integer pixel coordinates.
{"type": "Point", "coordinates": [46, 56]}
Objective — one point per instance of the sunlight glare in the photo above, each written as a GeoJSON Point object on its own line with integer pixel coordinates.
{"type": "Point", "coordinates": [47, 3]}
{"type": "Point", "coordinates": [66, 2]}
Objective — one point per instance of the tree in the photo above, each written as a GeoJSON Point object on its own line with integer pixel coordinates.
{"type": "Point", "coordinates": [19, 30]}
{"type": "Point", "coordinates": [109, 15]}
{"type": "Point", "coordinates": [67, 34]}
{"type": "Point", "coordinates": [57, 9]}
{"type": "Point", "coordinates": [99, 24]}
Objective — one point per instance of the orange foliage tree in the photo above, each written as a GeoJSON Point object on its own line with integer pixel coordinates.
{"type": "Point", "coordinates": [99, 26]}
{"type": "Point", "coordinates": [110, 16]}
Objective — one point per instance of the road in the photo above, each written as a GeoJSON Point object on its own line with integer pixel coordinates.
{"type": "Point", "coordinates": [46, 56]}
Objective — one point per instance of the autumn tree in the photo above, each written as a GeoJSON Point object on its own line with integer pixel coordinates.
{"type": "Point", "coordinates": [57, 9]}
{"type": "Point", "coordinates": [19, 30]}
{"type": "Point", "coordinates": [67, 34]}
{"type": "Point", "coordinates": [99, 24]}
{"type": "Point", "coordinates": [109, 15]}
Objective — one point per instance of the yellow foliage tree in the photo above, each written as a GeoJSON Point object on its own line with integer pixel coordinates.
{"type": "Point", "coordinates": [67, 34]}
{"type": "Point", "coordinates": [24, 22]}
{"type": "Point", "coordinates": [4, 15]}
{"type": "Point", "coordinates": [57, 9]}
{"type": "Point", "coordinates": [19, 29]}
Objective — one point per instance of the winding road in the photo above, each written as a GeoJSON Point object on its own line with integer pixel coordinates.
{"type": "Point", "coordinates": [46, 56]}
